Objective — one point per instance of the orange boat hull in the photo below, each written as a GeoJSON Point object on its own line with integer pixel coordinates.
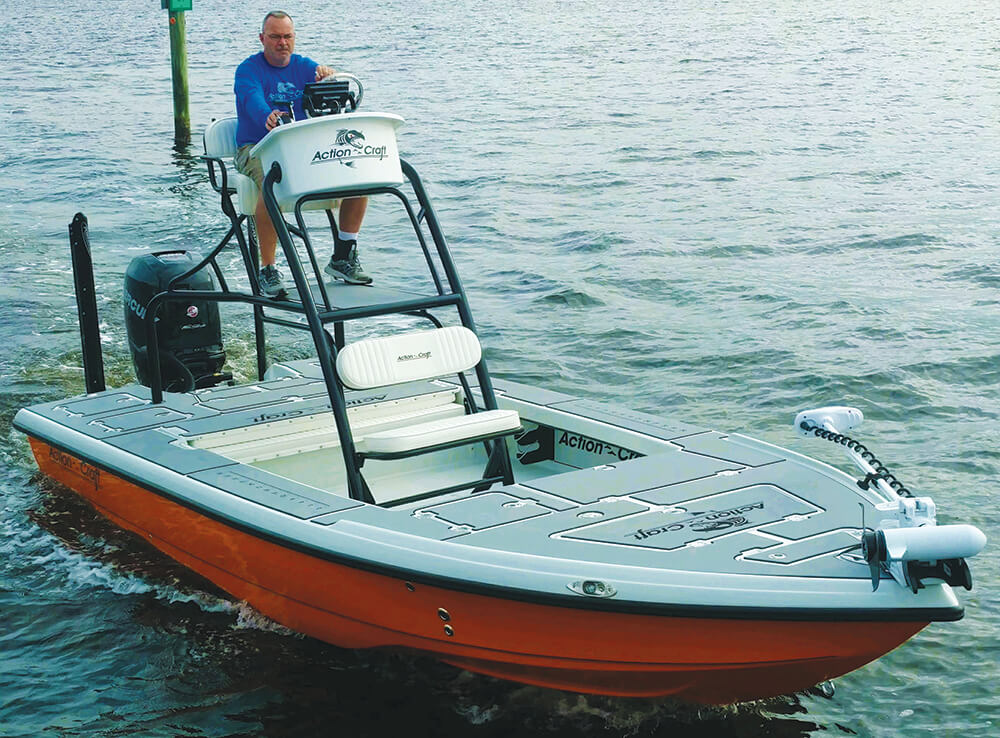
{"type": "Point", "coordinates": [705, 660]}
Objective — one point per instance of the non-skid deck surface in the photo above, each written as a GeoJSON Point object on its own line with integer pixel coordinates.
{"type": "Point", "coordinates": [694, 499]}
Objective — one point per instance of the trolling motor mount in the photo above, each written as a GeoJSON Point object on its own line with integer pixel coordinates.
{"type": "Point", "coordinates": [908, 543]}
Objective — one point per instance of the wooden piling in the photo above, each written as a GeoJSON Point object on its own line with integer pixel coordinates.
{"type": "Point", "coordinates": [178, 68]}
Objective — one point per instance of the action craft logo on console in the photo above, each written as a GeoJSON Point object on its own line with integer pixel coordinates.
{"type": "Point", "coordinates": [350, 146]}
{"type": "Point", "coordinates": [351, 138]}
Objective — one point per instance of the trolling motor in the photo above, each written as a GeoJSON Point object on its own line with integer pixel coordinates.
{"type": "Point", "coordinates": [908, 542]}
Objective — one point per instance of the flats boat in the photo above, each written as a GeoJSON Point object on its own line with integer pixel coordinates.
{"type": "Point", "coordinates": [390, 493]}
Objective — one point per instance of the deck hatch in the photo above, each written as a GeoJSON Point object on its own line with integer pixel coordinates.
{"type": "Point", "coordinates": [118, 401]}
{"type": "Point", "coordinates": [150, 417]}
{"type": "Point", "coordinates": [720, 446]}
{"type": "Point", "coordinates": [487, 510]}
{"type": "Point", "coordinates": [629, 419]}
{"type": "Point", "coordinates": [157, 446]}
{"type": "Point", "coordinates": [793, 552]}
{"type": "Point", "coordinates": [270, 393]}
{"type": "Point", "coordinates": [629, 477]}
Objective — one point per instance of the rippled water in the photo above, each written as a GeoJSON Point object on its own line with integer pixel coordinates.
{"type": "Point", "coordinates": [725, 212]}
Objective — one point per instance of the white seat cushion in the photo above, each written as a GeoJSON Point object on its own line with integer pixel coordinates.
{"type": "Point", "coordinates": [440, 432]}
{"type": "Point", "coordinates": [220, 138]}
{"type": "Point", "coordinates": [380, 362]}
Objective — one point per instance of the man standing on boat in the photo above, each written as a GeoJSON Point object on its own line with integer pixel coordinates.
{"type": "Point", "coordinates": [265, 82]}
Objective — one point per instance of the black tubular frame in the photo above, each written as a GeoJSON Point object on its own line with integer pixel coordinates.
{"type": "Point", "coordinates": [449, 293]}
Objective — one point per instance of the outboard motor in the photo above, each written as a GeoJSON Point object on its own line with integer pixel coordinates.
{"type": "Point", "coordinates": [189, 332]}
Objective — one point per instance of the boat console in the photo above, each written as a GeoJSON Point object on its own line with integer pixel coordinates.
{"type": "Point", "coordinates": [331, 153]}
{"type": "Point", "coordinates": [339, 152]}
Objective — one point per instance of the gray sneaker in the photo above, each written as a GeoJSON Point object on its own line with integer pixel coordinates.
{"type": "Point", "coordinates": [271, 283]}
{"type": "Point", "coordinates": [348, 269]}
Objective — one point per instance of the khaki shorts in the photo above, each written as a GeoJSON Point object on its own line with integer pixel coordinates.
{"type": "Point", "coordinates": [252, 167]}
{"type": "Point", "coordinates": [249, 165]}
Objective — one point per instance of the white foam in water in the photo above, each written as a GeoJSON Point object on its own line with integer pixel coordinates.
{"type": "Point", "coordinates": [48, 557]}
{"type": "Point", "coordinates": [84, 573]}
{"type": "Point", "coordinates": [247, 618]}
{"type": "Point", "coordinates": [477, 715]}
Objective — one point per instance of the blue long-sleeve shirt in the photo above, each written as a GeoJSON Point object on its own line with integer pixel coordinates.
{"type": "Point", "coordinates": [258, 88]}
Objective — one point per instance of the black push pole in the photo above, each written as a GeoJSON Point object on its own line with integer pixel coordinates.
{"type": "Point", "coordinates": [86, 304]}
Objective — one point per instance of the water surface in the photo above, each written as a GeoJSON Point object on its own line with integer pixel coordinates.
{"type": "Point", "coordinates": [723, 212]}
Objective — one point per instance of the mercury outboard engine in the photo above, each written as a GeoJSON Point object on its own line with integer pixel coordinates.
{"type": "Point", "coordinates": [189, 332]}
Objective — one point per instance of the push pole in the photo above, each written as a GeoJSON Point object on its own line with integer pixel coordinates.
{"type": "Point", "coordinates": [178, 68]}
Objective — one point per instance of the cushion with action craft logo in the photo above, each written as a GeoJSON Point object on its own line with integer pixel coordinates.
{"type": "Point", "coordinates": [379, 362]}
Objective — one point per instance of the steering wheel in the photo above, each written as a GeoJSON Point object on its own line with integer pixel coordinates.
{"type": "Point", "coordinates": [350, 78]}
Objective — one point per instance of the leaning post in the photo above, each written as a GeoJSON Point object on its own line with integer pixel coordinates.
{"type": "Point", "coordinates": [178, 68]}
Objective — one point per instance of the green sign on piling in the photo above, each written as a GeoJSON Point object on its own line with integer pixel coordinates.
{"type": "Point", "coordinates": [178, 68]}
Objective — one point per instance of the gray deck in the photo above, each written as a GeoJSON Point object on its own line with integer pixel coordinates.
{"type": "Point", "coordinates": [704, 502]}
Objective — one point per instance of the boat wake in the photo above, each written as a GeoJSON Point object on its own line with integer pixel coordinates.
{"type": "Point", "coordinates": [538, 711]}
{"type": "Point", "coordinates": [92, 553]}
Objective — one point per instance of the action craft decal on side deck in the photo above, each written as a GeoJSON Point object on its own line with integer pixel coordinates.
{"type": "Point", "coordinates": [592, 446]}
{"type": "Point", "coordinates": [363, 400]}
{"type": "Point", "coordinates": [704, 522]}
{"type": "Point", "coordinates": [267, 417]}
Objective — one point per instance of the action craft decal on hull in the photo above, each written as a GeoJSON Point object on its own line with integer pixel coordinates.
{"type": "Point", "coordinates": [76, 466]}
